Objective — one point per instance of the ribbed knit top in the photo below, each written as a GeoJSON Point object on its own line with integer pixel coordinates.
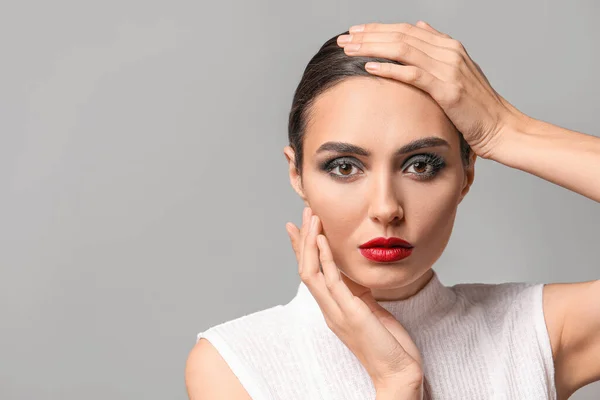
{"type": "Point", "coordinates": [478, 341]}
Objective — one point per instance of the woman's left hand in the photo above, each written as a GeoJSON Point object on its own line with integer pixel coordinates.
{"type": "Point", "coordinates": [439, 65]}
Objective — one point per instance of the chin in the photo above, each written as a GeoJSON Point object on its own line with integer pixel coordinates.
{"type": "Point", "coordinates": [383, 276]}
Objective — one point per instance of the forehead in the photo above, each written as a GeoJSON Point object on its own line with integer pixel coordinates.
{"type": "Point", "coordinates": [376, 113]}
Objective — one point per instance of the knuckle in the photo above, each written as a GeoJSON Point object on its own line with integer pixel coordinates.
{"type": "Point", "coordinates": [370, 26]}
{"type": "Point", "coordinates": [402, 50]}
{"type": "Point", "coordinates": [455, 58]}
{"type": "Point", "coordinates": [358, 37]}
{"type": "Point", "coordinates": [453, 94]}
{"type": "Point", "coordinates": [455, 45]}
{"type": "Point", "coordinates": [406, 27]}
{"type": "Point", "coordinates": [331, 284]}
{"type": "Point", "coordinates": [398, 36]}
{"type": "Point", "coordinates": [455, 75]}
{"type": "Point", "coordinates": [414, 74]}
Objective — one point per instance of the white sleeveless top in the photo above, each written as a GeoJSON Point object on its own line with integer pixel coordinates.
{"type": "Point", "coordinates": [478, 341]}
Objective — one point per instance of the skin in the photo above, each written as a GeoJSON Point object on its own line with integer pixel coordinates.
{"type": "Point", "coordinates": [383, 196]}
{"type": "Point", "coordinates": [439, 66]}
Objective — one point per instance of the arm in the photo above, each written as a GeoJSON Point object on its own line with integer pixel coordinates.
{"type": "Point", "coordinates": [572, 312]}
{"type": "Point", "coordinates": [208, 377]}
{"type": "Point", "coordinates": [567, 158]}
{"type": "Point", "coordinates": [572, 160]}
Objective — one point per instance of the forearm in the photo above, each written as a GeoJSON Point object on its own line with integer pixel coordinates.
{"type": "Point", "coordinates": [567, 158]}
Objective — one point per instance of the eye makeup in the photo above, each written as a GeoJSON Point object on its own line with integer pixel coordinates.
{"type": "Point", "coordinates": [431, 163]}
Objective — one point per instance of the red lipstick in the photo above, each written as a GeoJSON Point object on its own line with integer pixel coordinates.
{"type": "Point", "coordinates": [386, 250]}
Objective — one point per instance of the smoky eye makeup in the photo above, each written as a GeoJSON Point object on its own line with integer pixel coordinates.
{"type": "Point", "coordinates": [423, 166]}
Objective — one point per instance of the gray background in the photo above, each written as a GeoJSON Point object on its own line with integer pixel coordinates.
{"type": "Point", "coordinates": [145, 190]}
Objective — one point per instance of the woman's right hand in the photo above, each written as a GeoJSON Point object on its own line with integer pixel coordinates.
{"type": "Point", "coordinates": [373, 334]}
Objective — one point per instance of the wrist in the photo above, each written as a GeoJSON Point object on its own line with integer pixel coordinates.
{"type": "Point", "coordinates": [507, 139]}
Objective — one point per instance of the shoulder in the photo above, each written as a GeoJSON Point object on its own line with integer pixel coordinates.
{"type": "Point", "coordinates": [559, 299]}
{"type": "Point", "coordinates": [489, 295]}
{"type": "Point", "coordinates": [207, 375]}
{"type": "Point", "coordinates": [226, 362]}
{"type": "Point", "coordinates": [573, 318]}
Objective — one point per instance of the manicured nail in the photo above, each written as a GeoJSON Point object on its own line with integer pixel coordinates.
{"type": "Point", "coordinates": [352, 47]}
{"type": "Point", "coordinates": [357, 28]}
{"type": "Point", "coordinates": [313, 224]}
{"type": "Point", "coordinates": [372, 66]}
{"type": "Point", "coordinates": [344, 38]}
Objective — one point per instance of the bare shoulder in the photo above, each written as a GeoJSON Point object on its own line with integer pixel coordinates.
{"type": "Point", "coordinates": [559, 301]}
{"type": "Point", "coordinates": [208, 377]}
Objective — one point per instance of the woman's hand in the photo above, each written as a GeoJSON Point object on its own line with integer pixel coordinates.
{"type": "Point", "coordinates": [439, 65]}
{"type": "Point", "coordinates": [372, 333]}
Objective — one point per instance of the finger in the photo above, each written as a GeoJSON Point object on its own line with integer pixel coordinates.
{"type": "Point", "coordinates": [314, 278]}
{"type": "Point", "coordinates": [333, 278]}
{"type": "Point", "coordinates": [436, 38]}
{"type": "Point", "coordinates": [416, 31]}
{"type": "Point", "coordinates": [293, 233]}
{"type": "Point", "coordinates": [425, 25]}
{"type": "Point", "coordinates": [411, 75]}
{"type": "Point", "coordinates": [302, 234]}
{"type": "Point", "coordinates": [404, 53]}
{"type": "Point", "coordinates": [435, 51]}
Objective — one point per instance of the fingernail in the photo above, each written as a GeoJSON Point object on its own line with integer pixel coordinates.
{"type": "Point", "coordinates": [344, 38]}
{"type": "Point", "coordinates": [313, 224]}
{"type": "Point", "coordinates": [357, 28]}
{"type": "Point", "coordinates": [352, 47]}
{"type": "Point", "coordinates": [372, 66]}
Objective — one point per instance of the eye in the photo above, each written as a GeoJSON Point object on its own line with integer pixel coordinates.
{"type": "Point", "coordinates": [426, 166]}
{"type": "Point", "coordinates": [344, 166]}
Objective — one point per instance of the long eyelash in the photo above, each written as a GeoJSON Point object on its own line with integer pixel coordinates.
{"type": "Point", "coordinates": [436, 162]}
{"type": "Point", "coordinates": [329, 165]}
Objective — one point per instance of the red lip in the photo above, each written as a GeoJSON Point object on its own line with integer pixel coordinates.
{"type": "Point", "coordinates": [387, 243]}
{"type": "Point", "coordinates": [386, 250]}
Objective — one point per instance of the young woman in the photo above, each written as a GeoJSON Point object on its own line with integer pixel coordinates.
{"type": "Point", "coordinates": [382, 165]}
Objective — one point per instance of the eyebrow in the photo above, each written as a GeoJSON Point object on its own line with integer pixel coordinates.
{"type": "Point", "coordinates": [342, 147]}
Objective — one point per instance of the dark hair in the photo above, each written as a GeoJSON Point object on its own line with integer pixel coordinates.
{"type": "Point", "coordinates": [328, 67]}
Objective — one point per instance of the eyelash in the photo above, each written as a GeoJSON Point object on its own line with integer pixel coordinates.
{"type": "Point", "coordinates": [436, 163]}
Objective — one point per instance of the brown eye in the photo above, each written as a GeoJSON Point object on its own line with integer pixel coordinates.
{"type": "Point", "coordinates": [420, 167]}
{"type": "Point", "coordinates": [345, 168]}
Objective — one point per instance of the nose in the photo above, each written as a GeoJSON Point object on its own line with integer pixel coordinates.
{"type": "Point", "coordinates": [385, 206]}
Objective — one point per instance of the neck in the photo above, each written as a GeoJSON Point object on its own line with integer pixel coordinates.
{"type": "Point", "coordinates": [404, 292]}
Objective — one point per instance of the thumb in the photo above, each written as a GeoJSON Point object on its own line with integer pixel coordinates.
{"type": "Point", "coordinates": [394, 327]}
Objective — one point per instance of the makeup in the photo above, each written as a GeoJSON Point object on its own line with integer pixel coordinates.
{"type": "Point", "coordinates": [386, 250]}
{"type": "Point", "coordinates": [381, 254]}
{"type": "Point", "coordinates": [425, 165]}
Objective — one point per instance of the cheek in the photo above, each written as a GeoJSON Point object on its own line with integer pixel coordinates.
{"type": "Point", "coordinates": [432, 215]}
{"type": "Point", "coordinates": [339, 209]}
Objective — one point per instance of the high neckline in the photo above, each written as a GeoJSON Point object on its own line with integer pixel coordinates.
{"type": "Point", "coordinates": [424, 307]}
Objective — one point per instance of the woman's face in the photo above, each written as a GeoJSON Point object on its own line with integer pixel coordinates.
{"type": "Point", "coordinates": [359, 197]}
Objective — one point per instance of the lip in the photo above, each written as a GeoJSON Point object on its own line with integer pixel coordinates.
{"type": "Point", "coordinates": [392, 242]}
{"type": "Point", "coordinates": [383, 254]}
{"type": "Point", "coordinates": [386, 249]}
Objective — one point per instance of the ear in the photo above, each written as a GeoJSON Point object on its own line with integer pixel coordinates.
{"type": "Point", "coordinates": [469, 176]}
{"type": "Point", "coordinates": [295, 179]}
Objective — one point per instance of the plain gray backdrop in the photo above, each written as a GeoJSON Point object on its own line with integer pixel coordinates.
{"type": "Point", "coordinates": [145, 191]}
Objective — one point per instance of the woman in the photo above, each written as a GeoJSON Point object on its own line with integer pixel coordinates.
{"type": "Point", "coordinates": [382, 165]}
